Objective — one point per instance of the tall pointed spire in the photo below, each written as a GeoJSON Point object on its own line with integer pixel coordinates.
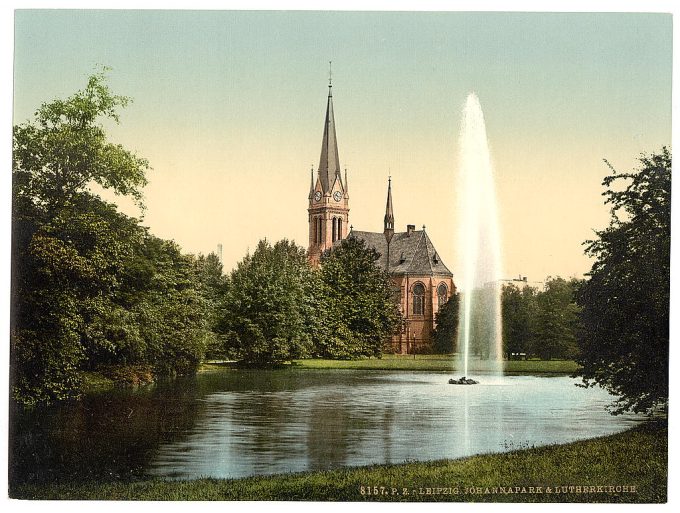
{"type": "Point", "coordinates": [329, 163]}
{"type": "Point", "coordinates": [389, 213]}
{"type": "Point", "coordinates": [311, 185]}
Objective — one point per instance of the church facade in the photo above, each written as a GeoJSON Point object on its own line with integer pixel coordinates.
{"type": "Point", "coordinates": [422, 282]}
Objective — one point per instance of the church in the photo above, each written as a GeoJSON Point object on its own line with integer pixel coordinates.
{"type": "Point", "coordinates": [422, 282]}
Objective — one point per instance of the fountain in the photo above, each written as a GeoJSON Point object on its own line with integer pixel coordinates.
{"type": "Point", "coordinates": [479, 267]}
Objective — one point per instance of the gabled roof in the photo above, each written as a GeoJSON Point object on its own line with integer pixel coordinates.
{"type": "Point", "coordinates": [411, 253]}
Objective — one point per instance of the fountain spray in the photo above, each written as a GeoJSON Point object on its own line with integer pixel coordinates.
{"type": "Point", "coordinates": [479, 245]}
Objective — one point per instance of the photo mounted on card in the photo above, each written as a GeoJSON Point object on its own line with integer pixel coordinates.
{"type": "Point", "coordinates": [340, 256]}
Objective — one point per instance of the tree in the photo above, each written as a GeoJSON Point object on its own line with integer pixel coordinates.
{"type": "Point", "coordinates": [624, 331]}
{"type": "Point", "coordinates": [360, 313]}
{"type": "Point", "coordinates": [213, 287]}
{"type": "Point", "coordinates": [555, 321]}
{"type": "Point", "coordinates": [268, 305]}
{"type": "Point", "coordinates": [67, 245]}
{"type": "Point", "coordinates": [170, 309]}
{"type": "Point", "coordinates": [90, 286]}
{"type": "Point", "coordinates": [65, 149]}
{"type": "Point", "coordinates": [518, 311]}
{"type": "Point", "coordinates": [446, 329]}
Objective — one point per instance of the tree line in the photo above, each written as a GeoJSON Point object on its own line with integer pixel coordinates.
{"type": "Point", "coordinates": [93, 289]}
{"type": "Point", "coordinates": [536, 323]}
{"type": "Point", "coordinates": [275, 307]}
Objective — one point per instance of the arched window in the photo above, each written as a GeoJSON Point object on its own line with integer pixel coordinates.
{"type": "Point", "coordinates": [442, 294]}
{"type": "Point", "coordinates": [315, 235]}
{"type": "Point", "coordinates": [335, 229]}
{"type": "Point", "coordinates": [418, 299]}
{"type": "Point", "coordinates": [339, 227]}
{"type": "Point", "coordinates": [318, 230]}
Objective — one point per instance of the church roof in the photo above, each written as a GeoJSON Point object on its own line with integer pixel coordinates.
{"type": "Point", "coordinates": [329, 162]}
{"type": "Point", "coordinates": [410, 253]}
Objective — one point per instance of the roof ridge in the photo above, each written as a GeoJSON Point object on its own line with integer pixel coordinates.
{"type": "Point", "coordinates": [429, 261]}
{"type": "Point", "coordinates": [415, 252]}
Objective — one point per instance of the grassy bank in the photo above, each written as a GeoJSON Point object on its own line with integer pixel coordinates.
{"type": "Point", "coordinates": [437, 363]}
{"type": "Point", "coordinates": [635, 459]}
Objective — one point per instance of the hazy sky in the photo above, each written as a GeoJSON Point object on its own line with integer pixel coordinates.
{"type": "Point", "coordinates": [229, 110]}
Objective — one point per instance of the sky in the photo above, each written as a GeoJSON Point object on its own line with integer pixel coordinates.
{"type": "Point", "coordinates": [229, 109]}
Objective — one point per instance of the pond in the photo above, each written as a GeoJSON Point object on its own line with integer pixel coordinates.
{"type": "Point", "coordinates": [234, 423]}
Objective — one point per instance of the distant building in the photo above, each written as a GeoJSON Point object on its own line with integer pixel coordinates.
{"type": "Point", "coordinates": [522, 282]}
{"type": "Point", "coordinates": [422, 281]}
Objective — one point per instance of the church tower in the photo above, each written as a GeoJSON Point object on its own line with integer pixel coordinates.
{"type": "Point", "coordinates": [328, 197]}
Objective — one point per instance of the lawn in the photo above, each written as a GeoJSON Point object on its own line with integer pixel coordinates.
{"type": "Point", "coordinates": [438, 363]}
{"type": "Point", "coordinates": [626, 467]}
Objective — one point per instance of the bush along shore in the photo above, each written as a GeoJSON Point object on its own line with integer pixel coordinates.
{"type": "Point", "coordinates": [628, 467]}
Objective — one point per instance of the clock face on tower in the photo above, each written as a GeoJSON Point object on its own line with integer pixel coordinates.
{"type": "Point", "coordinates": [337, 196]}
{"type": "Point", "coordinates": [317, 196]}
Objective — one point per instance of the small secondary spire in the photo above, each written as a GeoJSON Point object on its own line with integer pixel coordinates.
{"type": "Point", "coordinates": [389, 214]}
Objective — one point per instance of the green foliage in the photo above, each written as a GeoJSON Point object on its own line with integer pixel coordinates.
{"type": "Point", "coordinates": [625, 318]}
{"type": "Point", "coordinates": [90, 286]}
{"type": "Point", "coordinates": [446, 329]}
{"type": "Point", "coordinates": [541, 323]}
{"type": "Point", "coordinates": [277, 308]}
{"type": "Point", "coordinates": [268, 305]}
{"type": "Point", "coordinates": [170, 310]}
{"type": "Point", "coordinates": [519, 311]}
{"type": "Point", "coordinates": [555, 321]}
{"type": "Point", "coordinates": [213, 285]}
{"type": "Point", "coordinates": [65, 149]}
{"type": "Point", "coordinates": [359, 311]}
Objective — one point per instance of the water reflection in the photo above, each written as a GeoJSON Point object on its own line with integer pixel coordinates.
{"type": "Point", "coordinates": [236, 423]}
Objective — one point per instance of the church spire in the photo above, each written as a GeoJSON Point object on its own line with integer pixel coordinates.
{"type": "Point", "coordinates": [329, 163]}
{"type": "Point", "coordinates": [311, 185]}
{"type": "Point", "coordinates": [328, 212]}
{"type": "Point", "coordinates": [389, 214]}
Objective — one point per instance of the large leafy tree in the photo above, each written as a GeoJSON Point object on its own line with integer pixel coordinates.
{"type": "Point", "coordinates": [624, 334]}
{"type": "Point", "coordinates": [268, 305]}
{"type": "Point", "coordinates": [65, 149]}
{"type": "Point", "coordinates": [67, 244]}
{"type": "Point", "coordinates": [90, 286]}
{"type": "Point", "coordinates": [169, 308]}
{"type": "Point", "coordinates": [359, 310]}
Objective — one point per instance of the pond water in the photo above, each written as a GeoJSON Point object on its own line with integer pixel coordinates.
{"type": "Point", "coordinates": [234, 423]}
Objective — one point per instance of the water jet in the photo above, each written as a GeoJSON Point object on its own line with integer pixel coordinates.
{"type": "Point", "coordinates": [479, 327]}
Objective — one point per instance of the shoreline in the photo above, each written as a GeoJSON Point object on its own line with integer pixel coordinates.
{"type": "Point", "coordinates": [431, 363]}
{"type": "Point", "coordinates": [96, 382]}
{"type": "Point", "coordinates": [630, 466]}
